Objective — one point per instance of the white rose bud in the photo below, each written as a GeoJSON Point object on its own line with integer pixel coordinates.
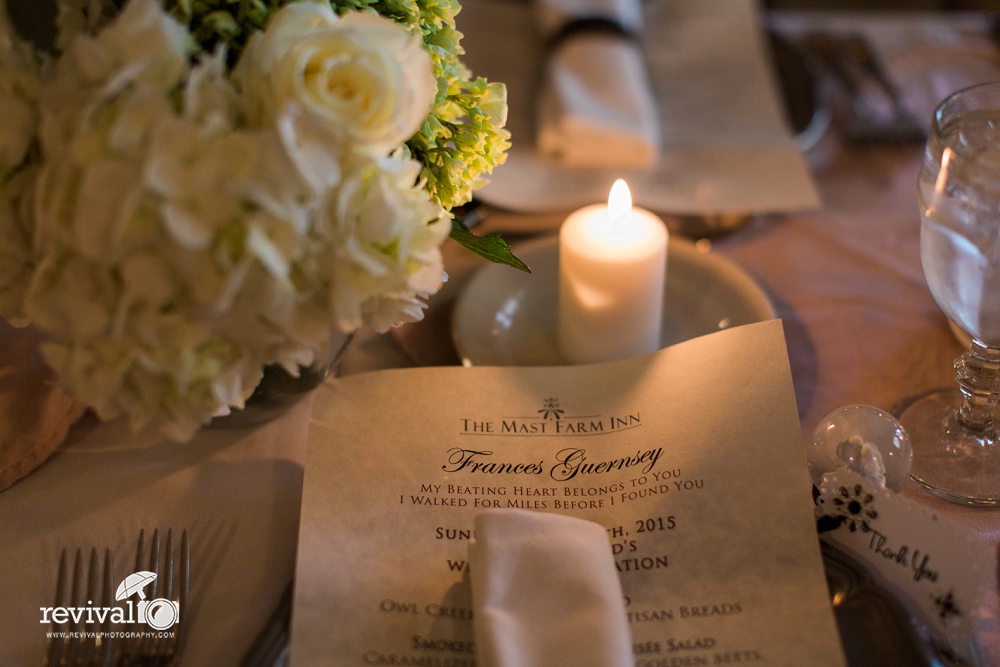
{"type": "Point", "coordinates": [360, 78]}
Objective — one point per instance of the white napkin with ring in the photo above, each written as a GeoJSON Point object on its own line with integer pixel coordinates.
{"type": "Point", "coordinates": [546, 593]}
{"type": "Point", "coordinates": [596, 107]}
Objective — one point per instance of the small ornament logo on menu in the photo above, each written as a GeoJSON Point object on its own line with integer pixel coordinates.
{"type": "Point", "coordinates": [551, 409]}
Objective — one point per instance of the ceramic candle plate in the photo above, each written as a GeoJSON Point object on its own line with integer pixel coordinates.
{"type": "Point", "coordinates": [508, 318]}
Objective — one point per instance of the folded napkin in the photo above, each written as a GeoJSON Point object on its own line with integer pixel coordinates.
{"type": "Point", "coordinates": [35, 414]}
{"type": "Point", "coordinates": [596, 107]}
{"type": "Point", "coordinates": [546, 592]}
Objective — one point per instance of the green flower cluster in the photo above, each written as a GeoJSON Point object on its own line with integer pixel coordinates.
{"type": "Point", "coordinates": [463, 138]}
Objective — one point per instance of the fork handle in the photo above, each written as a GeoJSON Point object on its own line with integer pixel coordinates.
{"type": "Point", "coordinates": [270, 647]}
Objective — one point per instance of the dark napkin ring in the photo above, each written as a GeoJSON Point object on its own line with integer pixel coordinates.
{"type": "Point", "coordinates": [590, 25]}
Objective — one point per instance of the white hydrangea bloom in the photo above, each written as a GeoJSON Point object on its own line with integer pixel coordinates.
{"type": "Point", "coordinates": [210, 100]}
{"type": "Point", "coordinates": [16, 255]}
{"type": "Point", "coordinates": [181, 241]}
{"type": "Point", "coordinates": [385, 252]}
{"type": "Point", "coordinates": [142, 44]}
{"type": "Point", "coordinates": [126, 226]}
{"type": "Point", "coordinates": [17, 130]}
{"type": "Point", "coordinates": [141, 48]}
{"type": "Point", "coordinates": [74, 17]}
{"type": "Point", "coordinates": [19, 82]}
{"type": "Point", "coordinates": [20, 71]}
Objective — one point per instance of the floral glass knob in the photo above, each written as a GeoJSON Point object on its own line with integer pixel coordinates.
{"type": "Point", "coordinates": [864, 439]}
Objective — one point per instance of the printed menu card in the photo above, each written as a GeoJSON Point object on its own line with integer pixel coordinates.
{"type": "Point", "coordinates": [689, 457]}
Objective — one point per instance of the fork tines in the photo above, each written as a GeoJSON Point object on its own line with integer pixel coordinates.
{"type": "Point", "coordinates": [79, 640]}
{"type": "Point", "coordinates": [154, 637]}
{"type": "Point", "coordinates": [161, 646]}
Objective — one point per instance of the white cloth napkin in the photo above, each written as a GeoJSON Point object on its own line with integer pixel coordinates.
{"type": "Point", "coordinates": [596, 107]}
{"type": "Point", "coordinates": [546, 592]}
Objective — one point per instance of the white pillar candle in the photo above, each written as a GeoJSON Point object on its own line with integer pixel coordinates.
{"type": "Point", "coordinates": [612, 267]}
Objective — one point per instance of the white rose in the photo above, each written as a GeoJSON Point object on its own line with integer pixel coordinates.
{"type": "Point", "coordinates": [359, 78]}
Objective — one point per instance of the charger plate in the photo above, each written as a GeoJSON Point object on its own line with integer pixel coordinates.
{"type": "Point", "coordinates": [509, 318]}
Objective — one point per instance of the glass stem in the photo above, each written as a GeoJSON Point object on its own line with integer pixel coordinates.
{"type": "Point", "coordinates": [978, 373]}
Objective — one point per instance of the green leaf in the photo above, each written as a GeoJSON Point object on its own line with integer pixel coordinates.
{"type": "Point", "coordinates": [491, 246]}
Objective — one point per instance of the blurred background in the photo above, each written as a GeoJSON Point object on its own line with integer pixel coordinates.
{"type": "Point", "coordinates": [919, 5]}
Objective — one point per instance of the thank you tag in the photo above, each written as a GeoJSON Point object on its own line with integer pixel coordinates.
{"type": "Point", "coordinates": [938, 570]}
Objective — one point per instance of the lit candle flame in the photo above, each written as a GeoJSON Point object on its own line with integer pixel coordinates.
{"type": "Point", "coordinates": [619, 205]}
{"type": "Point", "coordinates": [619, 200]}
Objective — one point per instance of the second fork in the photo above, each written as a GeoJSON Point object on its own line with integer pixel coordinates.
{"type": "Point", "coordinates": [160, 642]}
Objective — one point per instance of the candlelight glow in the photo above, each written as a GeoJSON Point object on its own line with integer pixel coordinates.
{"type": "Point", "coordinates": [941, 182]}
{"type": "Point", "coordinates": [942, 177]}
{"type": "Point", "coordinates": [619, 200]}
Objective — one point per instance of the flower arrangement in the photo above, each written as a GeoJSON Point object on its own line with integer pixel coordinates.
{"type": "Point", "coordinates": [188, 194]}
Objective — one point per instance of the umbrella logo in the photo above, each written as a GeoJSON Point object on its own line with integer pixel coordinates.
{"type": "Point", "coordinates": [134, 583]}
{"type": "Point", "coordinates": [158, 614]}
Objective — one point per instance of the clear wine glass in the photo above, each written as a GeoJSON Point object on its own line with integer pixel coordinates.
{"type": "Point", "coordinates": [956, 447]}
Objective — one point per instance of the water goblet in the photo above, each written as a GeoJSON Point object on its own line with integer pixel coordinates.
{"type": "Point", "coordinates": [956, 446]}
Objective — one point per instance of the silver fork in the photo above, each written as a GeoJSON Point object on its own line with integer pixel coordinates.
{"type": "Point", "coordinates": [85, 645]}
{"type": "Point", "coordinates": [152, 647]}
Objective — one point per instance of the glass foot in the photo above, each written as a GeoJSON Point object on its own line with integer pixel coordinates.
{"type": "Point", "coordinates": [949, 460]}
